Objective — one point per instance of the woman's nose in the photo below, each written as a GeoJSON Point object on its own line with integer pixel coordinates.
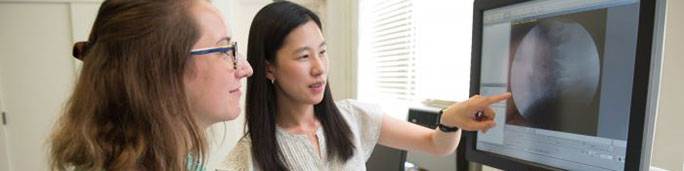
{"type": "Point", "coordinates": [243, 68]}
{"type": "Point", "coordinates": [317, 66]}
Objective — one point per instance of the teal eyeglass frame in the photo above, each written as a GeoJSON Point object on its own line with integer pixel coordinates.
{"type": "Point", "coordinates": [233, 47]}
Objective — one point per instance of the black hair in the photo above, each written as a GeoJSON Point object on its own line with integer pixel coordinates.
{"type": "Point", "coordinates": [270, 27]}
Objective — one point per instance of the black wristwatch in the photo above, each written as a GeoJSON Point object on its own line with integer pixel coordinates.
{"type": "Point", "coordinates": [443, 127]}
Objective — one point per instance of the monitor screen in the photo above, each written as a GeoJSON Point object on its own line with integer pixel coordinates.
{"type": "Point", "coordinates": [570, 66]}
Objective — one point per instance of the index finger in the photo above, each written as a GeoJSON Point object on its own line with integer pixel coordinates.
{"type": "Point", "coordinates": [498, 98]}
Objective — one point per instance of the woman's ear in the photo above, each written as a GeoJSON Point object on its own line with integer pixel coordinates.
{"type": "Point", "coordinates": [270, 72]}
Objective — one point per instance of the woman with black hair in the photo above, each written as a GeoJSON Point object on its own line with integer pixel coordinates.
{"type": "Point", "coordinates": [293, 122]}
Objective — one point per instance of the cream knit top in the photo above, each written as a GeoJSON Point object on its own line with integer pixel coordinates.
{"type": "Point", "coordinates": [364, 120]}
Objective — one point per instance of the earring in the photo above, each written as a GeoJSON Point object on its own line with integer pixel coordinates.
{"type": "Point", "coordinates": [272, 81]}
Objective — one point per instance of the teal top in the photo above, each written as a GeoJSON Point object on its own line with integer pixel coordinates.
{"type": "Point", "coordinates": [191, 165]}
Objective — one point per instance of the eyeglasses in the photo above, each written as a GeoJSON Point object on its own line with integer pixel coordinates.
{"type": "Point", "coordinates": [229, 50]}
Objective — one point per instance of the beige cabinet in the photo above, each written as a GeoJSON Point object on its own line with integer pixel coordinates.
{"type": "Point", "coordinates": [36, 73]}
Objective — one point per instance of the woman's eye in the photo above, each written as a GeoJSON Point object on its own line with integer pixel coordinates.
{"type": "Point", "coordinates": [304, 57]}
{"type": "Point", "coordinates": [225, 54]}
{"type": "Point", "coordinates": [323, 52]}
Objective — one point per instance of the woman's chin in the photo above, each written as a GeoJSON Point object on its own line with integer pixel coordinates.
{"type": "Point", "coordinates": [231, 115]}
{"type": "Point", "coordinates": [317, 100]}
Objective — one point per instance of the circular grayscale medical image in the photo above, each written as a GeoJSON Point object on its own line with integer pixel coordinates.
{"type": "Point", "coordinates": [555, 70]}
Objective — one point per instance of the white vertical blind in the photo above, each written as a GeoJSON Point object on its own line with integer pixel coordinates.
{"type": "Point", "coordinates": [392, 48]}
{"type": "Point", "coordinates": [411, 50]}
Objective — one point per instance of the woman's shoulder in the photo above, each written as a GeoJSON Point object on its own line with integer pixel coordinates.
{"type": "Point", "coordinates": [365, 119]}
{"type": "Point", "coordinates": [240, 157]}
{"type": "Point", "coordinates": [358, 110]}
{"type": "Point", "coordinates": [243, 145]}
{"type": "Point", "coordinates": [352, 105]}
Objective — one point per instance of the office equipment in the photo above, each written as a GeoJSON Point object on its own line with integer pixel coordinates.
{"type": "Point", "coordinates": [579, 72]}
{"type": "Point", "coordinates": [386, 158]}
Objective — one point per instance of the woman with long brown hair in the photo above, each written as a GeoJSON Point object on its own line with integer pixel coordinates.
{"type": "Point", "coordinates": [155, 74]}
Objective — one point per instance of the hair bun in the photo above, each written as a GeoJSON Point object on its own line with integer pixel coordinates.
{"type": "Point", "coordinates": [80, 49]}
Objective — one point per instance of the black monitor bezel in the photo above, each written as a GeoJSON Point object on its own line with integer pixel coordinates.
{"type": "Point", "coordinates": [639, 92]}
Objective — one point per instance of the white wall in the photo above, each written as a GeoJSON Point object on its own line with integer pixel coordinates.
{"type": "Point", "coordinates": [36, 69]}
{"type": "Point", "coordinates": [668, 148]}
{"type": "Point", "coordinates": [341, 31]}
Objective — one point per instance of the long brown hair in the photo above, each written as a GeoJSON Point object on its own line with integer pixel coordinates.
{"type": "Point", "coordinates": [129, 110]}
{"type": "Point", "coordinates": [270, 27]}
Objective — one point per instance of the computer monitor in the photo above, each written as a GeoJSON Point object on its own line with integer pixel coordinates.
{"type": "Point", "coordinates": [578, 71]}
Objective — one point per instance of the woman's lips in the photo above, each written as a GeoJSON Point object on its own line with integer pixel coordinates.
{"type": "Point", "coordinates": [235, 91]}
{"type": "Point", "coordinates": [317, 87]}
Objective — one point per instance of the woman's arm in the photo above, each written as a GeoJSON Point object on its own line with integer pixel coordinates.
{"type": "Point", "coordinates": [408, 136]}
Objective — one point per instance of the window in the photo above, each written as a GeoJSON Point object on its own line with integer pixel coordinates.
{"type": "Point", "coordinates": [411, 50]}
{"type": "Point", "coordinates": [390, 49]}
